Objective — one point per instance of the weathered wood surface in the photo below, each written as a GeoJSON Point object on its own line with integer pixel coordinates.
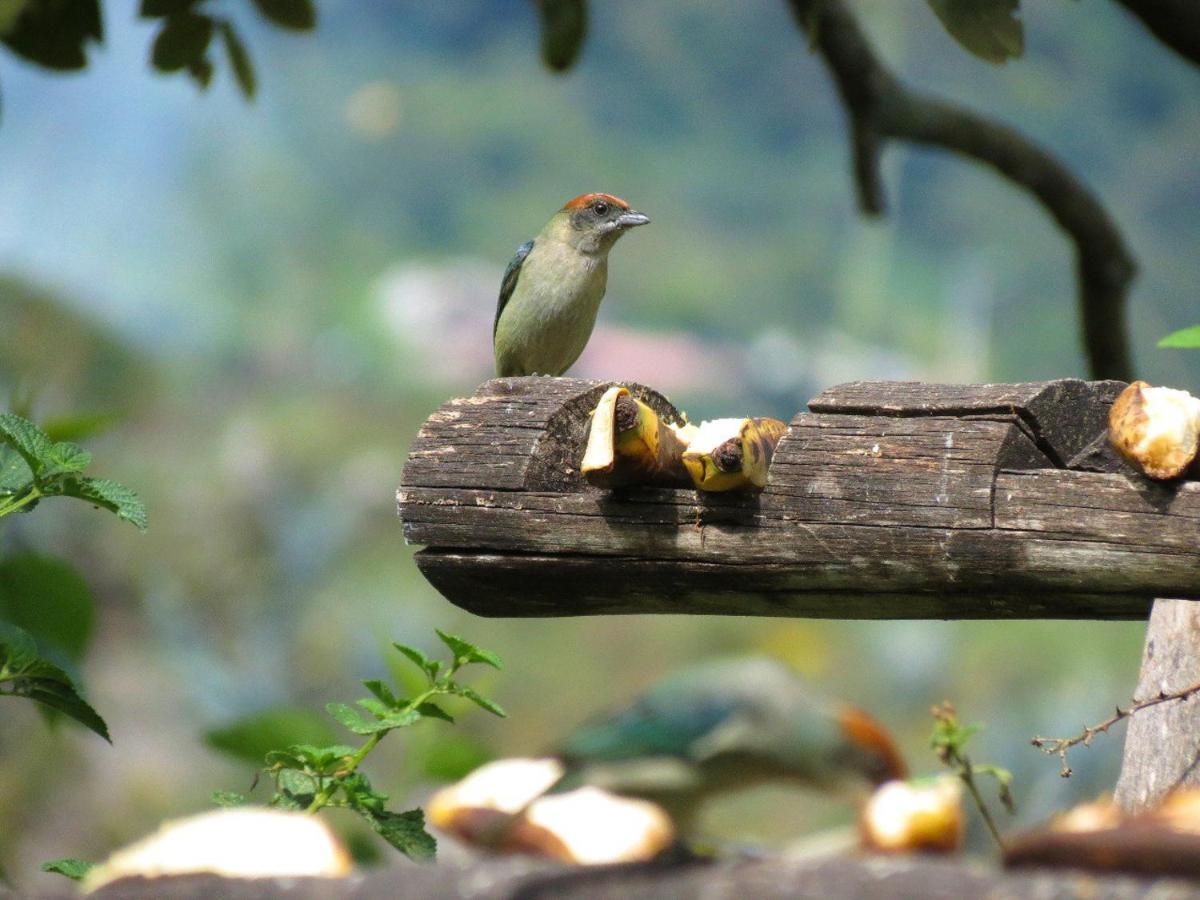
{"type": "Point", "coordinates": [1162, 747]}
{"type": "Point", "coordinates": [878, 878]}
{"type": "Point", "coordinates": [890, 500]}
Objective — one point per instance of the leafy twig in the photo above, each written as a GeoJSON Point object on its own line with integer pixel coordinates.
{"type": "Point", "coordinates": [309, 778]}
{"type": "Point", "coordinates": [1060, 746]}
{"type": "Point", "coordinates": [949, 741]}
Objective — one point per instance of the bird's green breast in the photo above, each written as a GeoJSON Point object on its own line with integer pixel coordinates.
{"type": "Point", "coordinates": [549, 318]}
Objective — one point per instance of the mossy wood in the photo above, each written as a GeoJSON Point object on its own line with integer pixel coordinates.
{"type": "Point", "coordinates": [886, 500]}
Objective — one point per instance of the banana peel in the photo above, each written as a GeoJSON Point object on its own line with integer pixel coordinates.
{"type": "Point", "coordinates": [629, 444]}
{"type": "Point", "coordinates": [732, 454]}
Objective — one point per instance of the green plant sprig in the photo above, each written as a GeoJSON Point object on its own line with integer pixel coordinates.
{"type": "Point", "coordinates": [310, 778]}
{"type": "Point", "coordinates": [33, 466]}
{"type": "Point", "coordinates": [949, 741]}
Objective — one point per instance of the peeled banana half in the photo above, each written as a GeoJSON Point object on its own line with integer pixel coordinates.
{"type": "Point", "coordinates": [629, 444]}
{"type": "Point", "coordinates": [732, 454]}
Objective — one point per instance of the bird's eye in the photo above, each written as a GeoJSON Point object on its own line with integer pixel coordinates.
{"type": "Point", "coordinates": [601, 208]}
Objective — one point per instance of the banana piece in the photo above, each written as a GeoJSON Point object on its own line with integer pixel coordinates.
{"type": "Point", "coordinates": [628, 444]}
{"type": "Point", "coordinates": [732, 454]}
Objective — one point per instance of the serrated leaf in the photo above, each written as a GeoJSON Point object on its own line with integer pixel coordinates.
{"type": "Point", "coordinates": [229, 798]}
{"type": "Point", "coordinates": [989, 29]}
{"type": "Point", "coordinates": [1187, 338]}
{"type": "Point", "coordinates": [183, 40]}
{"type": "Point", "coordinates": [479, 700]}
{"type": "Point", "coordinates": [359, 793]}
{"type": "Point", "coordinates": [110, 495]}
{"type": "Point", "coordinates": [300, 15]}
{"type": "Point", "coordinates": [351, 718]}
{"type": "Point", "coordinates": [296, 789]}
{"type": "Point", "coordinates": [382, 692]}
{"type": "Point", "coordinates": [430, 666]}
{"type": "Point", "coordinates": [74, 869]}
{"type": "Point", "coordinates": [239, 61]}
{"type": "Point", "coordinates": [65, 458]}
{"type": "Point", "coordinates": [15, 475]}
{"type": "Point", "coordinates": [252, 737]}
{"type": "Point", "coordinates": [374, 706]}
{"type": "Point", "coordinates": [24, 673]}
{"type": "Point", "coordinates": [405, 831]}
{"type": "Point", "coordinates": [564, 27]}
{"type": "Point", "coordinates": [27, 439]}
{"type": "Point", "coordinates": [48, 598]}
{"type": "Point", "coordinates": [467, 652]}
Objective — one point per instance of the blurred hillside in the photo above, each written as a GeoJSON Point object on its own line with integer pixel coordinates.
{"type": "Point", "coordinates": [268, 299]}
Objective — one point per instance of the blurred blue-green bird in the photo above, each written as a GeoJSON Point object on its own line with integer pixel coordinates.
{"type": "Point", "coordinates": [551, 291]}
{"type": "Point", "coordinates": [723, 725]}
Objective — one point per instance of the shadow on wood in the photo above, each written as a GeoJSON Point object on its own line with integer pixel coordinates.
{"type": "Point", "coordinates": [888, 500]}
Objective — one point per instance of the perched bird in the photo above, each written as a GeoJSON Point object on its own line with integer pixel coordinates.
{"type": "Point", "coordinates": [552, 289]}
{"type": "Point", "coordinates": [724, 725]}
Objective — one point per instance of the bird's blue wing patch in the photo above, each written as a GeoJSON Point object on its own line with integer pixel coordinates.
{"type": "Point", "coordinates": [509, 283]}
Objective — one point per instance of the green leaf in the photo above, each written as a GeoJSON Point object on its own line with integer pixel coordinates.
{"type": "Point", "coordinates": [201, 71]}
{"type": "Point", "coordinates": [433, 711]}
{"type": "Point", "coordinates": [466, 652]}
{"type": "Point", "coordinates": [79, 426]}
{"type": "Point", "coordinates": [430, 666]}
{"type": "Point", "coordinates": [300, 15]}
{"type": "Point", "coordinates": [74, 869]}
{"type": "Point", "coordinates": [18, 649]}
{"type": "Point", "coordinates": [109, 494]}
{"type": "Point", "coordinates": [23, 673]}
{"type": "Point", "coordinates": [66, 458]}
{"type": "Point", "coordinates": [15, 475]}
{"type": "Point", "coordinates": [27, 439]}
{"type": "Point", "coordinates": [360, 725]}
{"type": "Point", "coordinates": [383, 692]}
{"type": "Point", "coordinates": [239, 61]}
{"type": "Point", "coordinates": [564, 27]}
{"type": "Point", "coordinates": [989, 29]}
{"type": "Point", "coordinates": [296, 789]}
{"type": "Point", "coordinates": [252, 737]}
{"type": "Point", "coordinates": [479, 700]}
{"type": "Point", "coordinates": [161, 8]}
{"type": "Point", "coordinates": [48, 598]}
{"type": "Point", "coordinates": [183, 40]}
{"type": "Point", "coordinates": [351, 718]}
{"type": "Point", "coordinates": [1187, 338]}
{"type": "Point", "coordinates": [405, 831]}
{"type": "Point", "coordinates": [54, 33]}
{"type": "Point", "coordinates": [229, 798]}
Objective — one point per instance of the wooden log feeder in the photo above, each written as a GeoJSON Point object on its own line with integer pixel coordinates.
{"type": "Point", "coordinates": [885, 500]}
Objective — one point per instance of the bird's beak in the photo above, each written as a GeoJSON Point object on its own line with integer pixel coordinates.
{"type": "Point", "coordinates": [630, 218]}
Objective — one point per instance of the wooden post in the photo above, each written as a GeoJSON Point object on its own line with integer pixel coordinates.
{"type": "Point", "coordinates": [1162, 746]}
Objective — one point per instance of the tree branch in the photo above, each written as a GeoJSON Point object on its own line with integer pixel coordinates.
{"type": "Point", "coordinates": [1060, 746]}
{"type": "Point", "coordinates": [881, 108]}
{"type": "Point", "coordinates": [1174, 22]}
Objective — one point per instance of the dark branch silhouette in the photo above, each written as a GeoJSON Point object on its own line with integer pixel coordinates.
{"type": "Point", "coordinates": [880, 108]}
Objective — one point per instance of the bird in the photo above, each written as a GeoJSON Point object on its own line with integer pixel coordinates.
{"type": "Point", "coordinates": [725, 724]}
{"type": "Point", "coordinates": [551, 291]}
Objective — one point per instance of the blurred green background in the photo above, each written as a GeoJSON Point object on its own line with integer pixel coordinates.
{"type": "Point", "coordinates": [269, 298]}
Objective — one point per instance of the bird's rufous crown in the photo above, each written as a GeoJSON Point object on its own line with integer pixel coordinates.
{"type": "Point", "coordinates": [584, 199]}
